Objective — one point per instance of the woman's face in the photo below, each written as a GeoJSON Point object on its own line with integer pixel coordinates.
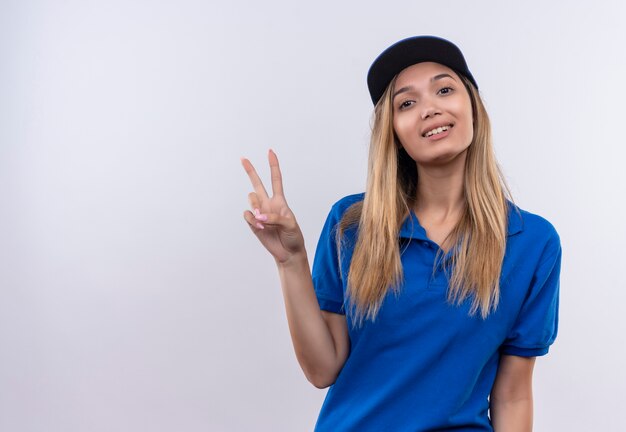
{"type": "Point", "coordinates": [432, 113]}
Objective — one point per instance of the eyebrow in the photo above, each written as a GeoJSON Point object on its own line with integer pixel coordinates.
{"type": "Point", "coordinates": [433, 79]}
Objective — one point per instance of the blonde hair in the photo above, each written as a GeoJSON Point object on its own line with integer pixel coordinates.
{"type": "Point", "coordinates": [478, 239]}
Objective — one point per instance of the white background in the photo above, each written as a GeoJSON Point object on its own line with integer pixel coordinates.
{"type": "Point", "coordinates": [133, 296]}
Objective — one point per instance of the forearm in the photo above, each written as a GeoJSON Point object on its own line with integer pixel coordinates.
{"type": "Point", "coordinates": [312, 340]}
{"type": "Point", "coordinates": [512, 415]}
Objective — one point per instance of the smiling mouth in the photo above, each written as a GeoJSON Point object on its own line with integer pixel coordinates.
{"type": "Point", "coordinates": [437, 131]}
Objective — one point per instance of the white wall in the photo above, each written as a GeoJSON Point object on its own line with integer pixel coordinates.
{"type": "Point", "coordinates": [133, 296]}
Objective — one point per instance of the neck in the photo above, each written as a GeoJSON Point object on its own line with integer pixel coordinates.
{"type": "Point", "coordinates": [440, 189]}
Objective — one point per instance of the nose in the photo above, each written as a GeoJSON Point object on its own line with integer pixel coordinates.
{"type": "Point", "coordinates": [430, 110]}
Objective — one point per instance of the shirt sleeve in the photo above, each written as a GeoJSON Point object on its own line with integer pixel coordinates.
{"type": "Point", "coordinates": [326, 272]}
{"type": "Point", "coordinates": [537, 323]}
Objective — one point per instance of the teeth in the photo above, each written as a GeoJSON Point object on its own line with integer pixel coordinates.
{"type": "Point", "coordinates": [436, 131]}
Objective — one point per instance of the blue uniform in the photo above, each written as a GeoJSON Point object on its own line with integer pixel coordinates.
{"type": "Point", "coordinates": [425, 364]}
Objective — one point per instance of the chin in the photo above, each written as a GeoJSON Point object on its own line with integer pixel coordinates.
{"type": "Point", "coordinates": [442, 158]}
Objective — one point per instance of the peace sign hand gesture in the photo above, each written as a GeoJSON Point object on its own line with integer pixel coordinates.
{"type": "Point", "coordinates": [271, 219]}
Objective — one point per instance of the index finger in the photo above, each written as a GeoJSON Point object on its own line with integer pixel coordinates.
{"type": "Point", "coordinates": [257, 184]}
{"type": "Point", "coordinates": [277, 178]}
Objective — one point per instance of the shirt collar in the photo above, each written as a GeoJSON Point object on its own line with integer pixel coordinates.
{"type": "Point", "coordinates": [515, 221]}
{"type": "Point", "coordinates": [412, 229]}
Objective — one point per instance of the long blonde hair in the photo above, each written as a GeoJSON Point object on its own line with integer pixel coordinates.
{"type": "Point", "coordinates": [478, 239]}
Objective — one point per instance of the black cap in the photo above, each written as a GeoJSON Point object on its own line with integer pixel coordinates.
{"type": "Point", "coordinates": [411, 51]}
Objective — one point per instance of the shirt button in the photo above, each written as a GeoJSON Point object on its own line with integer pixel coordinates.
{"type": "Point", "coordinates": [425, 243]}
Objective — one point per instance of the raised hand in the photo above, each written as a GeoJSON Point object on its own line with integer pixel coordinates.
{"type": "Point", "coordinates": [270, 218]}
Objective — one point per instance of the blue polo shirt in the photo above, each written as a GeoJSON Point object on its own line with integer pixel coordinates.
{"type": "Point", "coordinates": [425, 364]}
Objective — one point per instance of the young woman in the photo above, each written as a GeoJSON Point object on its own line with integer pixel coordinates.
{"type": "Point", "coordinates": [431, 293]}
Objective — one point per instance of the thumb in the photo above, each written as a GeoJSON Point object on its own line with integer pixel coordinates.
{"type": "Point", "coordinates": [276, 220]}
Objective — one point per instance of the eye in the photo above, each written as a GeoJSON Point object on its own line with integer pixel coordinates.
{"type": "Point", "coordinates": [445, 90]}
{"type": "Point", "coordinates": [406, 104]}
